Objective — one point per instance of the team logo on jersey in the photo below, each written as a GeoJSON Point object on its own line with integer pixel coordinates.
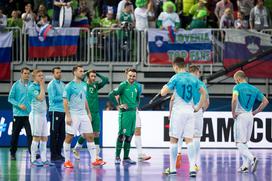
{"type": "Point", "coordinates": [36, 92]}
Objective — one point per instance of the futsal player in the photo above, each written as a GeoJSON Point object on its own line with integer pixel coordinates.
{"type": "Point", "coordinates": [182, 121]}
{"type": "Point", "coordinates": [37, 118]}
{"type": "Point", "coordinates": [78, 117]}
{"type": "Point", "coordinates": [93, 87]}
{"type": "Point", "coordinates": [244, 96]}
{"type": "Point", "coordinates": [129, 96]}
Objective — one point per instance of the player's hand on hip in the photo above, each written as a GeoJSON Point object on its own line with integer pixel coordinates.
{"type": "Point", "coordinates": [68, 120]}
{"type": "Point", "coordinates": [123, 106]}
{"type": "Point", "coordinates": [235, 115]}
{"type": "Point", "coordinates": [23, 107]}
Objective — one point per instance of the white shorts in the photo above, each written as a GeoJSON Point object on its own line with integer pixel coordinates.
{"type": "Point", "coordinates": [138, 119]}
{"type": "Point", "coordinates": [182, 124]}
{"type": "Point", "coordinates": [38, 124]}
{"type": "Point", "coordinates": [80, 123]}
{"type": "Point", "coordinates": [198, 116]}
{"type": "Point", "coordinates": [243, 126]}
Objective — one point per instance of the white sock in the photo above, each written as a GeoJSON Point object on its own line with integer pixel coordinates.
{"type": "Point", "coordinates": [197, 149]}
{"type": "Point", "coordinates": [67, 151]}
{"type": "Point", "coordinates": [92, 150]}
{"type": "Point", "coordinates": [245, 161]}
{"type": "Point", "coordinates": [173, 156]}
{"type": "Point", "coordinates": [243, 149]}
{"type": "Point", "coordinates": [34, 148]}
{"type": "Point", "coordinates": [138, 143]}
{"type": "Point", "coordinates": [97, 150]}
{"type": "Point", "coordinates": [43, 150]}
{"type": "Point", "coordinates": [180, 142]}
{"type": "Point", "coordinates": [78, 146]}
{"type": "Point", "coordinates": [191, 155]}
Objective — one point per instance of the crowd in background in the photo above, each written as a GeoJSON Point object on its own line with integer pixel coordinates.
{"type": "Point", "coordinates": [140, 14]}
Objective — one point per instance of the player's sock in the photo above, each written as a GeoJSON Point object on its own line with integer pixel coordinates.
{"type": "Point", "coordinates": [119, 145]}
{"type": "Point", "coordinates": [34, 148]}
{"type": "Point", "coordinates": [67, 151]}
{"type": "Point", "coordinates": [96, 142]}
{"type": "Point", "coordinates": [191, 155]}
{"type": "Point", "coordinates": [197, 149]}
{"type": "Point", "coordinates": [43, 150]}
{"type": "Point", "coordinates": [126, 149]}
{"type": "Point", "coordinates": [79, 143]}
{"type": "Point", "coordinates": [92, 150]}
{"type": "Point", "coordinates": [138, 143]}
{"type": "Point", "coordinates": [173, 156]}
{"type": "Point", "coordinates": [180, 142]}
{"type": "Point", "coordinates": [243, 149]}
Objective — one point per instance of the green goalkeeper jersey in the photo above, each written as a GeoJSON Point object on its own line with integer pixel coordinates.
{"type": "Point", "coordinates": [128, 94]}
{"type": "Point", "coordinates": [92, 93]}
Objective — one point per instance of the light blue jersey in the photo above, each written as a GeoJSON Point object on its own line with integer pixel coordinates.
{"type": "Point", "coordinates": [55, 91]}
{"type": "Point", "coordinates": [18, 96]}
{"type": "Point", "coordinates": [198, 95]}
{"type": "Point", "coordinates": [185, 87]}
{"type": "Point", "coordinates": [37, 106]}
{"type": "Point", "coordinates": [75, 93]}
{"type": "Point", "coordinates": [247, 94]}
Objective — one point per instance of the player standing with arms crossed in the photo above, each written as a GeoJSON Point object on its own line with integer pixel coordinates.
{"type": "Point", "coordinates": [78, 117]}
{"type": "Point", "coordinates": [182, 123]}
{"type": "Point", "coordinates": [243, 98]}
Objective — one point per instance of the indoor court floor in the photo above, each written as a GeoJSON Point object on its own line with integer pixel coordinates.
{"type": "Point", "coordinates": [216, 164]}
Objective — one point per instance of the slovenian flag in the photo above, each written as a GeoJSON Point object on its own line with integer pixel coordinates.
{"type": "Point", "coordinates": [58, 43]}
{"type": "Point", "coordinates": [5, 54]}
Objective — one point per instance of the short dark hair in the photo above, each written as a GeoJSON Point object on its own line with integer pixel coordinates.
{"type": "Point", "coordinates": [130, 70]}
{"type": "Point", "coordinates": [76, 67]}
{"type": "Point", "coordinates": [55, 68]}
{"type": "Point", "coordinates": [127, 4]}
{"type": "Point", "coordinates": [193, 68]}
{"type": "Point", "coordinates": [179, 61]}
{"type": "Point", "coordinates": [24, 68]}
{"type": "Point", "coordinates": [90, 71]}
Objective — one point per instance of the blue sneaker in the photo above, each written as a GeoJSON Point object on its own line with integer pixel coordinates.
{"type": "Point", "coordinates": [129, 161]}
{"type": "Point", "coordinates": [169, 172]}
{"type": "Point", "coordinates": [117, 161]}
{"type": "Point", "coordinates": [37, 163]}
{"type": "Point", "coordinates": [48, 163]}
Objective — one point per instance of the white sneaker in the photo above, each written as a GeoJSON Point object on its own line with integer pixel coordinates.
{"type": "Point", "coordinates": [143, 157]}
{"type": "Point", "coordinates": [243, 169]}
{"type": "Point", "coordinates": [76, 154]}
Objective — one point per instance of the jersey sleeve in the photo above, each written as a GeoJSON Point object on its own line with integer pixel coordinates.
{"type": "Point", "coordinates": [117, 91]}
{"type": "Point", "coordinates": [260, 95]}
{"type": "Point", "coordinates": [172, 83]}
{"type": "Point", "coordinates": [235, 90]}
{"type": "Point", "coordinates": [11, 97]}
{"type": "Point", "coordinates": [104, 81]}
{"type": "Point", "coordinates": [67, 92]}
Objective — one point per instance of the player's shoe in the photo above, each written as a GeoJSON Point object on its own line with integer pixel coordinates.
{"type": "Point", "coordinates": [117, 161]}
{"type": "Point", "coordinates": [76, 154]}
{"type": "Point", "coordinates": [98, 163]}
{"type": "Point", "coordinates": [68, 164]}
{"type": "Point", "coordinates": [129, 161]}
{"type": "Point", "coordinates": [37, 163]}
{"type": "Point", "coordinates": [254, 165]}
{"type": "Point", "coordinates": [143, 157]}
{"type": "Point", "coordinates": [197, 168]}
{"type": "Point", "coordinates": [192, 173]}
{"type": "Point", "coordinates": [178, 161]}
{"type": "Point", "coordinates": [48, 163]}
{"type": "Point", "coordinates": [243, 169]}
{"type": "Point", "coordinates": [169, 172]}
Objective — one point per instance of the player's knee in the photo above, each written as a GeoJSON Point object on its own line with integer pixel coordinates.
{"type": "Point", "coordinates": [36, 138]}
{"type": "Point", "coordinates": [128, 139]}
{"type": "Point", "coordinates": [44, 138]}
{"type": "Point", "coordinates": [121, 138]}
{"type": "Point", "coordinates": [137, 132]}
{"type": "Point", "coordinates": [188, 140]}
{"type": "Point", "coordinates": [89, 137]}
{"type": "Point", "coordinates": [68, 138]}
{"type": "Point", "coordinates": [96, 134]}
